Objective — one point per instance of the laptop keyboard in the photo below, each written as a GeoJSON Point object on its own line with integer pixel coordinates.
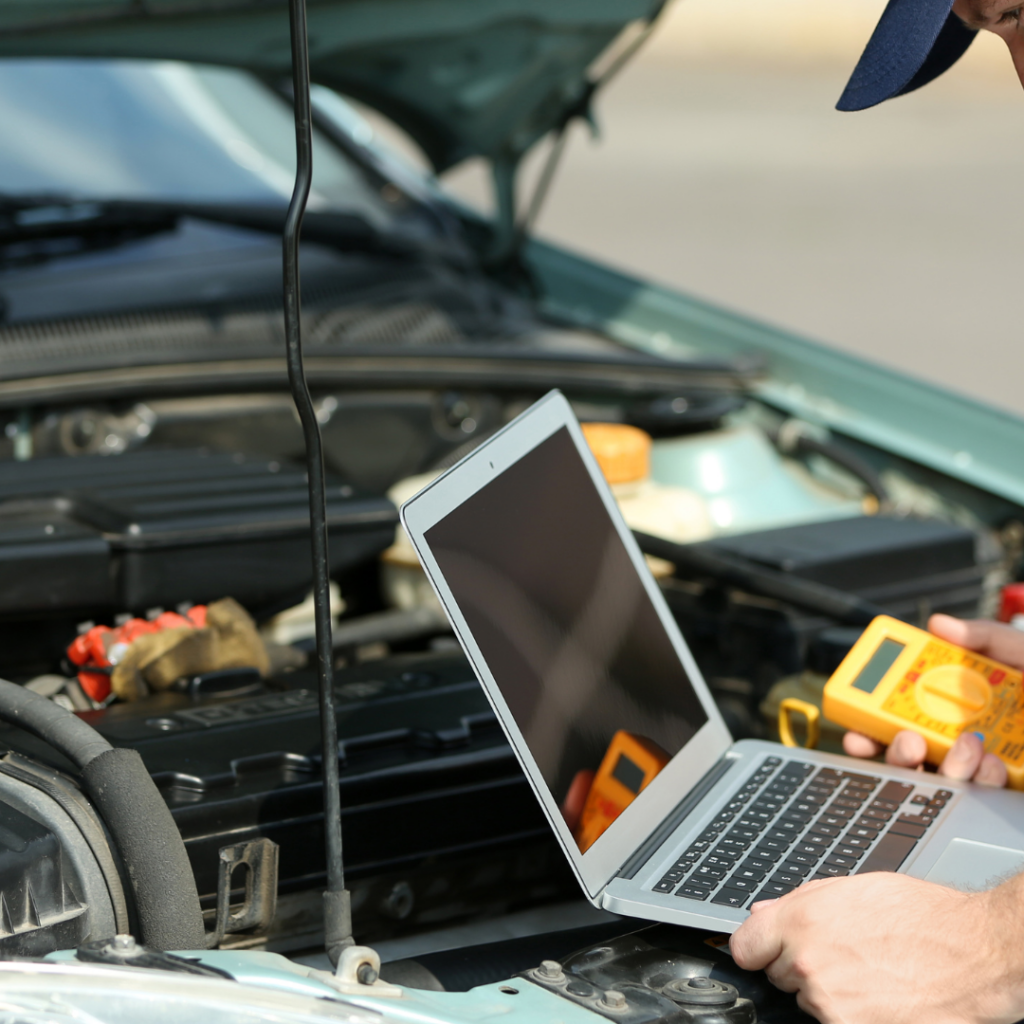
{"type": "Point", "coordinates": [791, 823]}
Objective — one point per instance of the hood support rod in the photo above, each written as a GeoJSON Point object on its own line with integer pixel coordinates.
{"type": "Point", "coordinates": [337, 904]}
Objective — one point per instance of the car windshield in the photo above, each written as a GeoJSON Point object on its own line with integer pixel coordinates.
{"type": "Point", "coordinates": [163, 131]}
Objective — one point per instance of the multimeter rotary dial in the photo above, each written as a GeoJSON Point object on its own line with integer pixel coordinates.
{"type": "Point", "coordinates": [953, 693]}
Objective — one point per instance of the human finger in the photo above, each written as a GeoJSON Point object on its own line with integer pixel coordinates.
{"type": "Point", "coordinates": [857, 745]}
{"type": "Point", "coordinates": [758, 941]}
{"type": "Point", "coordinates": [991, 772]}
{"type": "Point", "coordinates": [995, 639]}
{"type": "Point", "coordinates": [964, 757]}
{"type": "Point", "coordinates": [907, 750]}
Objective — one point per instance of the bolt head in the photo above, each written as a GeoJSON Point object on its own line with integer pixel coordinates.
{"type": "Point", "coordinates": [614, 1000]}
{"type": "Point", "coordinates": [124, 942]}
{"type": "Point", "coordinates": [550, 969]}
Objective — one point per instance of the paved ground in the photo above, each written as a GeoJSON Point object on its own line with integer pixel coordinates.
{"type": "Point", "coordinates": [727, 173]}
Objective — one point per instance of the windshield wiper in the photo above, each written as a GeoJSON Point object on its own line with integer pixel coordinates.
{"type": "Point", "coordinates": [38, 228]}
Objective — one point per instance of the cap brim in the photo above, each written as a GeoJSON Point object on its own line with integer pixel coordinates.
{"type": "Point", "coordinates": [914, 42]}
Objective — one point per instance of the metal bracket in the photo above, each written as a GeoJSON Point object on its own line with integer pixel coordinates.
{"type": "Point", "coordinates": [256, 912]}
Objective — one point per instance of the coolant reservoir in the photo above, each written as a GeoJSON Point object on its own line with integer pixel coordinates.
{"type": "Point", "coordinates": [624, 455]}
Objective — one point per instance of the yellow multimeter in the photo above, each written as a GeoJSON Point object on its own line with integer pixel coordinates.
{"type": "Point", "coordinates": [899, 677]}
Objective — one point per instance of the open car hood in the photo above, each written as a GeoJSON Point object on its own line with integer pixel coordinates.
{"type": "Point", "coordinates": [463, 77]}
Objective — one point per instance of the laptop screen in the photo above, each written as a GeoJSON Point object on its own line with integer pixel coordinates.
{"type": "Point", "coordinates": [569, 633]}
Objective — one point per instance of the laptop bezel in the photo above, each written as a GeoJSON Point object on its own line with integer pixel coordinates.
{"type": "Point", "coordinates": [602, 861]}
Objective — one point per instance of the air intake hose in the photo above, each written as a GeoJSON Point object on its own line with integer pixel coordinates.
{"type": "Point", "coordinates": [127, 799]}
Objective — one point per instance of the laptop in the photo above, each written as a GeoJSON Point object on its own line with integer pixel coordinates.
{"type": "Point", "coordinates": [595, 688]}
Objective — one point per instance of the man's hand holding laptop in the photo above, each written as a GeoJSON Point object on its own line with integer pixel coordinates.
{"type": "Point", "coordinates": [889, 948]}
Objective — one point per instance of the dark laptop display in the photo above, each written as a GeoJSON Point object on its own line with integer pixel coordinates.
{"type": "Point", "coordinates": [576, 647]}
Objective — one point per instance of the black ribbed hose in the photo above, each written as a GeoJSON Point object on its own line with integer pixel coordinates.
{"type": "Point", "coordinates": [124, 794]}
{"type": "Point", "coordinates": [337, 907]}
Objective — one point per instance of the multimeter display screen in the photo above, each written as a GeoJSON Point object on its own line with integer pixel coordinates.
{"type": "Point", "coordinates": [881, 661]}
{"type": "Point", "coordinates": [566, 626]}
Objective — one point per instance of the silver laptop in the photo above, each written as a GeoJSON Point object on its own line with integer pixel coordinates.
{"type": "Point", "coordinates": [661, 815]}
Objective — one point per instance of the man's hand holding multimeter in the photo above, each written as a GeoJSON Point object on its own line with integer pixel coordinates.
{"type": "Point", "coordinates": [967, 757]}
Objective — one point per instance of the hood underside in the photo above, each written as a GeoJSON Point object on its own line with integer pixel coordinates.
{"type": "Point", "coordinates": [463, 77]}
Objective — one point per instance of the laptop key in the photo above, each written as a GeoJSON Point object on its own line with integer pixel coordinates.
{"type": "Point", "coordinates": [877, 814]}
{"type": "Point", "coordinates": [825, 830]}
{"type": "Point", "coordinates": [906, 828]}
{"type": "Point", "coordinates": [713, 861]}
{"type": "Point", "coordinates": [768, 853]}
{"type": "Point", "coordinates": [773, 890]}
{"type": "Point", "coordinates": [915, 819]}
{"type": "Point", "coordinates": [813, 799]}
{"type": "Point", "coordinates": [758, 863]}
{"type": "Point", "coordinates": [832, 821]}
{"type": "Point", "coordinates": [889, 854]}
{"type": "Point", "coordinates": [831, 870]}
{"type": "Point", "coordinates": [858, 843]}
{"type": "Point", "coordinates": [896, 792]}
{"type": "Point", "coordinates": [749, 873]}
{"type": "Point", "coordinates": [745, 884]}
{"type": "Point", "coordinates": [819, 840]}
{"type": "Point", "coordinates": [693, 892]}
{"type": "Point", "coordinates": [731, 898]}
{"type": "Point", "coordinates": [733, 843]}
{"type": "Point", "coordinates": [799, 817]}
{"type": "Point", "coordinates": [745, 834]}
{"type": "Point", "coordinates": [839, 861]}
{"type": "Point", "coordinates": [666, 885]}
{"type": "Point", "coordinates": [883, 805]}
{"type": "Point", "coordinates": [860, 832]}
{"type": "Point", "coordinates": [796, 868]}
{"type": "Point", "coordinates": [706, 871]}
{"type": "Point", "coordinates": [848, 851]}
{"type": "Point", "coordinates": [703, 883]}
{"type": "Point", "coordinates": [786, 878]}
{"type": "Point", "coordinates": [728, 853]}
{"type": "Point", "coordinates": [802, 857]}
{"type": "Point", "coordinates": [863, 822]}
{"type": "Point", "coordinates": [777, 835]}
{"type": "Point", "coordinates": [804, 806]}
{"type": "Point", "coordinates": [845, 801]}
{"type": "Point", "coordinates": [792, 827]}
{"type": "Point", "coordinates": [752, 823]}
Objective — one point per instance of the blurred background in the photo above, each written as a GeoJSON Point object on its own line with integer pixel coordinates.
{"type": "Point", "coordinates": [723, 169]}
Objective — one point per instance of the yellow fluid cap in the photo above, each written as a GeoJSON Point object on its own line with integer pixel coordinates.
{"type": "Point", "coordinates": [623, 452]}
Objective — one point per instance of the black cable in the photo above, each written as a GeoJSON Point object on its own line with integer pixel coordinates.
{"type": "Point", "coordinates": [799, 443]}
{"type": "Point", "coordinates": [337, 906]}
{"type": "Point", "coordinates": [78, 742]}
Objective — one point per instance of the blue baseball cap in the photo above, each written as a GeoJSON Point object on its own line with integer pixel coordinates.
{"type": "Point", "coordinates": [914, 42]}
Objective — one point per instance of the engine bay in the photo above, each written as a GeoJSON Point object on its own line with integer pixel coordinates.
{"type": "Point", "coordinates": [126, 512]}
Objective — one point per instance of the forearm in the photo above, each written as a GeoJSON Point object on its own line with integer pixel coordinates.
{"type": "Point", "coordinates": [998, 925]}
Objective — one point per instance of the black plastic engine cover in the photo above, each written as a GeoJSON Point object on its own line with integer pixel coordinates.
{"type": "Point", "coordinates": [438, 819]}
{"type": "Point", "coordinates": [156, 528]}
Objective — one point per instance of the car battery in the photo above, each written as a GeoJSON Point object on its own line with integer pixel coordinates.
{"type": "Point", "coordinates": [438, 820]}
{"type": "Point", "coordinates": [745, 643]}
{"type": "Point", "coordinates": [155, 528]}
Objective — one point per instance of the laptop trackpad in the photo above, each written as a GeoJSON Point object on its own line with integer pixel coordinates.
{"type": "Point", "coordinates": [969, 865]}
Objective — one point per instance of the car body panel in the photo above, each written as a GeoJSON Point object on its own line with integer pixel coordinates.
{"type": "Point", "coordinates": [925, 424]}
{"type": "Point", "coordinates": [463, 77]}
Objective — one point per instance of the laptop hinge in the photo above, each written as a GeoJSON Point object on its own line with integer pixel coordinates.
{"type": "Point", "coordinates": [673, 820]}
